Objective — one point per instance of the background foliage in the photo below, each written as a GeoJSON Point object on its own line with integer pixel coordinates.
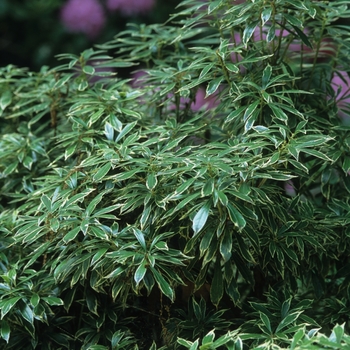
{"type": "Point", "coordinates": [34, 31]}
{"type": "Point", "coordinates": [201, 203]}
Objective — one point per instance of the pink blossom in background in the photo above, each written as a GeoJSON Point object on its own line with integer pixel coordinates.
{"type": "Point", "coordinates": [289, 188]}
{"type": "Point", "coordinates": [83, 16]}
{"type": "Point", "coordinates": [201, 102]}
{"type": "Point", "coordinates": [343, 97]}
{"type": "Point", "coordinates": [130, 7]}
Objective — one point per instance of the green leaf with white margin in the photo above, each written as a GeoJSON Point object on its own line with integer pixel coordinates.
{"type": "Point", "coordinates": [140, 272]}
{"type": "Point", "coordinates": [162, 284]}
{"type": "Point", "coordinates": [337, 334]}
{"type": "Point", "coordinates": [266, 76]}
{"type": "Point", "coordinates": [249, 30]}
{"type": "Point", "coordinates": [130, 112]}
{"type": "Point", "coordinates": [209, 338]}
{"type": "Point", "coordinates": [26, 312]}
{"type": "Point", "coordinates": [213, 86]}
{"type": "Point", "coordinates": [278, 113]}
{"type": "Point", "coordinates": [34, 300]}
{"type": "Point", "coordinates": [271, 33]}
{"type": "Point", "coordinates": [109, 131]}
{"type": "Point", "coordinates": [297, 337]}
{"type": "Point", "coordinates": [6, 99]}
{"type": "Point", "coordinates": [185, 342]}
{"type": "Point", "coordinates": [236, 217]}
{"type": "Point", "coordinates": [47, 202]}
{"type": "Point", "coordinates": [251, 108]}
{"type": "Point", "coordinates": [53, 301]}
{"type": "Point", "coordinates": [201, 217]}
{"type": "Point", "coordinates": [140, 237]}
{"type": "Point", "coordinates": [102, 172]}
{"type": "Point", "coordinates": [231, 67]}
{"type": "Point", "coordinates": [125, 131]}
{"type": "Point", "coordinates": [266, 321]}
{"type": "Point", "coordinates": [7, 305]}
{"type": "Point", "coordinates": [151, 181]}
{"type": "Point", "coordinates": [265, 15]}
{"type": "Point", "coordinates": [288, 320]}
{"type": "Point", "coordinates": [5, 331]}
{"type": "Point", "coordinates": [71, 234]}
{"type": "Point", "coordinates": [98, 255]}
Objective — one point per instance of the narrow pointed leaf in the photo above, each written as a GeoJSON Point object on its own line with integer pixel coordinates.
{"type": "Point", "coordinates": [201, 217]}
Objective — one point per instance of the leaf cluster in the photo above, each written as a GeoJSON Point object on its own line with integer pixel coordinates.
{"type": "Point", "coordinates": [130, 218]}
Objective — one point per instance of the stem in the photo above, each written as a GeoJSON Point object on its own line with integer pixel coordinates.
{"type": "Point", "coordinates": [316, 55]}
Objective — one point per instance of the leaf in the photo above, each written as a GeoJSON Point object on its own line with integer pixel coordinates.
{"type": "Point", "coordinates": [251, 108]}
{"type": "Point", "coordinates": [10, 168]}
{"type": "Point", "coordinates": [337, 334]}
{"type": "Point", "coordinates": [5, 331]}
{"type": "Point", "coordinates": [250, 121]}
{"type": "Point", "coordinates": [151, 181]}
{"type": "Point", "coordinates": [217, 285]}
{"type": "Point", "coordinates": [236, 217]}
{"type": "Point", "coordinates": [266, 76]}
{"type": "Point", "coordinates": [248, 31]}
{"type": "Point", "coordinates": [213, 86]}
{"type": "Point", "coordinates": [53, 301]}
{"type": "Point", "coordinates": [208, 338]}
{"type": "Point", "coordinates": [235, 114]}
{"type": "Point", "coordinates": [7, 305]}
{"type": "Point", "coordinates": [278, 113]}
{"type": "Point", "coordinates": [288, 320]}
{"type": "Point", "coordinates": [226, 246]}
{"type": "Point", "coordinates": [109, 131]}
{"type": "Point", "coordinates": [206, 69]}
{"type": "Point", "coordinates": [271, 33]}
{"type": "Point", "coordinates": [69, 151]}
{"type": "Point", "coordinates": [184, 186]}
{"type": "Point", "coordinates": [297, 336]}
{"type": "Point", "coordinates": [98, 255]}
{"type": "Point", "coordinates": [265, 15]}
{"type": "Point", "coordinates": [140, 237]}
{"type": "Point", "coordinates": [285, 308]}
{"type": "Point", "coordinates": [163, 284]}
{"type": "Point", "coordinates": [92, 205]}
{"type": "Point", "coordinates": [71, 234]}
{"type": "Point", "coordinates": [140, 272]}
{"type": "Point", "coordinates": [130, 112]}
{"type": "Point", "coordinates": [34, 300]}
{"type": "Point", "coordinates": [201, 217]}
{"type": "Point", "coordinates": [213, 6]}
{"type": "Point", "coordinates": [95, 117]}
{"type": "Point", "coordinates": [265, 319]}
{"type": "Point", "coordinates": [102, 172]}
{"type": "Point", "coordinates": [303, 37]}
{"type": "Point", "coordinates": [89, 70]}
{"type": "Point", "coordinates": [231, 67]}
{"type": "Point", "coordinates": [125, 130]}
{"type": "Point", "coordinates": [47, 202]}
{"type": "Point", "coordinates": [26, 312]}
{"type": "Point", "coordinates": [6, 99]}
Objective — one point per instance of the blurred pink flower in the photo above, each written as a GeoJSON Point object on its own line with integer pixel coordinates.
{"type": "Point", "coordinates": [130, 7]}
{"type": "Point", "coordinates": [201, 102]}
{"type": "Point", "coordinates": [84, 16]}
{"type": "Point", "coordinates": [341, 86]}
{"type": "Point", "coordinates": [289, 188]}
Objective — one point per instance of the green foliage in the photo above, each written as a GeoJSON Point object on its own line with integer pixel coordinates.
{"type": "Point", "coordinates": [132, 218]}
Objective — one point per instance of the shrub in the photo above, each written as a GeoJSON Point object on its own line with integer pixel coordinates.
{"type": "Point", "coordinates": [131, 217]}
